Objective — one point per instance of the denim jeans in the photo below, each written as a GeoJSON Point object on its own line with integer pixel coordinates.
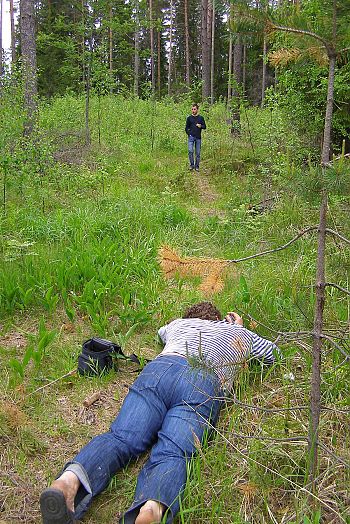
{"type": "Point", "coordinates": [167, 406]}
{"type": "Point", "coordinates": [194, 143]}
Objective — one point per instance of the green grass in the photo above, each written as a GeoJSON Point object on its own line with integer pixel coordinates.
{"type": "Point", "coordinates": [79, 239]}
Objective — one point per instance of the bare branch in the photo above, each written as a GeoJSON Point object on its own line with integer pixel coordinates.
{"type": "Point", "coordinates": [329, 164]}
{"type": "Point", "coordinates": [338, 287]}
{"type": "Point", "coordinates": [334, 233]}
{"type": "Point", "coordinates": [299, 235]}
{"type": "Point", "coordinates": [333, 455]}
{"type": "Point", "coordinates": [72, 372]}
{"type": "Point", "coordinates": [342, 351]}
{"type": "Point", "coordinates": [282, 410]}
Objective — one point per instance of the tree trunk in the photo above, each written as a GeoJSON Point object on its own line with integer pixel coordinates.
{"type": "Point", "coordinates": [212, 53]}
{"type": "Point", "coordinates": [326, 146]}
{"type": "Point", "coordinates": [244, 68]}
{"type": "Point", "coordinates": [205, 51]}
{"type": "Point", "coordinates": [28, 48]}
{"type": "Point", "coordinates": [137, 49]}
{"type": "Point", "coordinates": [151, 33]}
{"type": "Point", "coordinates": [236, 91]}
{"type": "Point", "coordinates": [315, 394]}
{"type": "Point", "coordinates": [13, 34]}
{"type": "Point", "coordinates": [229, 71]}
{"type": "Point", "coordinates": [170, 47]}
{"type": "Point", "coordinates": [263, 80]}
{"type": "Point", "coordinates": [1, 53]}
{"type": "Point", "coordinates": [187, 44]}
{"type": "Point", "coordinates": [158, 61]}
{"type": "Point", "coordinates": [110, 46]}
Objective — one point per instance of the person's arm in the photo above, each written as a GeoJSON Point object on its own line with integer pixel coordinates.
{"type": "Point", "coordinates": [203, 126]}
{"type": "Point", "coordinates": [188, 125]}
{"type": "Point", "coordinates": [162, 333]}
{"type": "Point", "coordinates": [261, 349]}
{"type": "Point", "coordinates": [234, 318]}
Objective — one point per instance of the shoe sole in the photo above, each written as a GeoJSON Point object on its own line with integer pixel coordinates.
{"type": "Point", "coordinates": [54, 508]}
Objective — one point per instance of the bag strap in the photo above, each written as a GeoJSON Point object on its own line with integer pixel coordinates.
{"type": "Point", "coordinates": [101, 343]}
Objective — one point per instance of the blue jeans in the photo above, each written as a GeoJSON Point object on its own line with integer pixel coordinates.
{"type": "Point", "coordinates": [169, 403]}
{"type": "Point", "coordinates": [194, 143]}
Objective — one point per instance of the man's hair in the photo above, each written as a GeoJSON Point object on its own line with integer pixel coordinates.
{"type": "Point", "coordinates": [195, 105]}
{"type": "Point", "coordinates": [204, 311]}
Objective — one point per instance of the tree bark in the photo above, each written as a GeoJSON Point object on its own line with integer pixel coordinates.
{"type": "Point", "coordinates": [110, 45]}
{"type": "Point", "coordinates": [137, 49]}
{"type": "Point", "coordinates": [263, 79]}
{"type": "Point", "coordinates": [187, 44]}
{"type": "Point", "coordinates": [28, 47]}
{"type": "Point", "coordinates": [158, 62]}
{"type": "Point", "coordinates": [170, 47]}
{"type": "Point", "coordinates": [205, 51]}
{"type": "Point", "coordinates": [315, 394]}
{"type": "Point", "coordinates": [13, 34]}
{"type": "Point", "coordinates": [326, 146]}
{"type": "Point", "coordinates": [229, 70]}
{"type": "Point", "coordinates": [236, 91]}
{"type": "Point", "coordinates": [1, 53]}
{"type": "Point", "coordinates": [212, 53]}
{"type": "Point", "coordinates": [244, 68]}
{"type": "Point", "coordinates": [151, 33]}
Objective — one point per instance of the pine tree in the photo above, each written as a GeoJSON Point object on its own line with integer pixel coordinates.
{"type": "Point", "coordinates": [28, 49]}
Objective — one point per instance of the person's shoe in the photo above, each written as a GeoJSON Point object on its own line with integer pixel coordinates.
{"type": "Point", "coordinates": [197, 169]}
{"type": "Point", "coordinates": [54, 508]}
{"type": "Point", "coordinates": [191, 168]}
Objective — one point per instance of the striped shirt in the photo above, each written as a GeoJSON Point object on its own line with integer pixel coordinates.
{"type": "Point", "coordinates": [216, 345]}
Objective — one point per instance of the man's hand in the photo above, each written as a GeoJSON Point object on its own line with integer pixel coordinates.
{"type": "Point", "coordinates": [234, 318]}
{"type": "Point", "coordinates": [199, 125]}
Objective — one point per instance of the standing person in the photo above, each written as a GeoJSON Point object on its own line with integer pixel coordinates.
{"type": "Point", "coordinates": [173, 403]}
{"type": "Point", "coordinates": [194, 125]}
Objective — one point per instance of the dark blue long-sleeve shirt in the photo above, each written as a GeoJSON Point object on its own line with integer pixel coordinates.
{"type": "Point", "coordinates": [191, 127]}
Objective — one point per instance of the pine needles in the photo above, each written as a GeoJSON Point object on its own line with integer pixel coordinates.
{"type": "Point", "coordinates": [212, 270]}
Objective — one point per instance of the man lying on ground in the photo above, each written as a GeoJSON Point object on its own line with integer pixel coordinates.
{"type": "Point", "coordinates": [175, 400]}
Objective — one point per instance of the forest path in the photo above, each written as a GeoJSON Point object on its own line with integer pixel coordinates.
{"type": "Point", "coordinates": [207, 193]}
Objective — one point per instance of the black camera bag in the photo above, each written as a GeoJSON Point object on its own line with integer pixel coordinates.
{"type": "Point", "coordinates": [97, 356]}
